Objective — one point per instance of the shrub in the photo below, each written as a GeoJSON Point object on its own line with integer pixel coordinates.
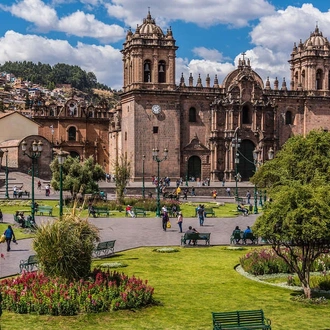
{"type": "Point", "coordinates": [266, 261]}
{"type": "Point", "coordinates": [104, 291]}
{"type": "Point", "coordinates": [64, 247]}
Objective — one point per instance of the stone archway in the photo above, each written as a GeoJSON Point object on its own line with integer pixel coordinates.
{"type": "Point", "coordinates": [246, 166]}
{"type": "Point", "coordinates": [194, 167]}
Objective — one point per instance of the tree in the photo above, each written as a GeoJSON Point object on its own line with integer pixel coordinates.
{"type": "Point", "coordinates": [297, 220]}
{"type": "Point", "coordinates": [122, 174]}
{"type": "Point", "coordinates": [77, 176]}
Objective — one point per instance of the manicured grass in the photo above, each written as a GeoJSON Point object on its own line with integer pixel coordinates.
{"type": "Point", "coordinates": [188, 209]}
{"type": "Point", "coordinates": [189, 285]}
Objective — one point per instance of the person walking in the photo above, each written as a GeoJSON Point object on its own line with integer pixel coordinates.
{"type": "Point", "coordinates": [9, 234]}
{"type": "Point", "coordinates": [248, 196]}
{"type": "Point", "coordinates": [200, 212]}
{"type": "Point", "coordinates": [164, 220]}
{"type": "Point", "coordinates": [180, 220]}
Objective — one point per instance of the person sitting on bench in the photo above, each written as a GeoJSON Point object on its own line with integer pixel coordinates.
{"type": "Point", "coordinates": [91, 210]}
{"type": "Point", "coordinates": [243, 209]}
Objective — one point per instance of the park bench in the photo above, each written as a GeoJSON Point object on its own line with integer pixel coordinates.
{"type": "Point", "coordinates": [194, 237]}
{"type": "Point", "coordinates": [209, 210]}
{"type": "Point", "coordinates": [98, 210]}
{"type": "Point", "coordinates": [23, 193]}
{"type": "Point", "coordinates": [240, 200]}
{"type": "Point", "coordinates": [139, 210]}
{"type": "Point", "coordinates": [251, 237]}
{"type": "Point", "coordinates": [242, 210]}
{"type": "Point", "coordinates": [44, 209]}
{"type": "Point", "coordinates": [251, 319]}
{"type": "Point", "coordinates": [174, 214]}
{"type": "Point", "coordinates": [236, 237]}
{"type": "Point", "coordinates": [104, 248]}
{"type": "Point", "coordinates": [29, 264]}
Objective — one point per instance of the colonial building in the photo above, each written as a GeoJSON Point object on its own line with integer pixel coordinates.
{"type": "Point", "coordinates": [199, 122]}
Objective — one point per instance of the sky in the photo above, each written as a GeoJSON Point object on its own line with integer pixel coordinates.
{"type": "Point", "coordinates": [211, 34]}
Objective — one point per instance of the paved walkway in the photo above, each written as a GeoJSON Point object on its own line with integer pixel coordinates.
{"type": "Point", "coordinates": [128, 232]}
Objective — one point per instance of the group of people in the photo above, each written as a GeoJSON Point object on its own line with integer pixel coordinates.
{"type": "Point", "coordinates": [237, 234]}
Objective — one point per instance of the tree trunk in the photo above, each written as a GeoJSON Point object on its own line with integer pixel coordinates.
{"type": "Point", "coordinates": [307, 290]}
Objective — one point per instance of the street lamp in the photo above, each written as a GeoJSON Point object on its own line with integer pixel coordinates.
{"type": "Point", "coordinates": [143, 187]}
{"type": "Point", "coordinates": [235, 142]}
{"type": "Point", "coordinates": [61, 158]}
{"type": "Point", "coordinates": [7, 194]}
{"type": "Point", "coordinates": [255, 159]}
{"type": "Point", "coordinates": [6, 170]}
{"type": "Point", "coordinates": [155, 152]}
{"type": "Point", "coordinates": [35, 152]}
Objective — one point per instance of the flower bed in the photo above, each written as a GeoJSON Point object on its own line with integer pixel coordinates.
{"type": "Point", "coordinates": [104, 291]}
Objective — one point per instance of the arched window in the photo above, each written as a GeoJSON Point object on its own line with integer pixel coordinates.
{"type": "Point", "coordinates": [161, 72]}
{"type": "Point", "coordinates": [303, 79]}
{"type": "Point", "coordinates": [192, 115]}
{"type": "Point", "coordinates": [319, 79]}
{"type": "Point", "coordinates": [288, 118]}
{"type": "Point", "coordinates": [246, 115]}
{"type": "Point", "coordinates": [147, 71]}
{"type": "Point", "coordinates": [72, 133]}
{"type": "Point", "coordinates": [74, 154]}
{"type": "Point", "coordinates": [296, 79]}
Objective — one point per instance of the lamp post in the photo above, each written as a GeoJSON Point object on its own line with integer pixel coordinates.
{"type": "Point", "coordinates": [235, 142]}
{"type": "Point", "coordinates": [34, 153]}
{"type": "Point", "coordinates": [61, 158]}
{"type": "Point", "coordinates": [7, 194]}
{"type": "Point", "coordinates": [143, 187]}
{"type": "Point", "coordinates": [155, 152]}
{"type": "Point", "coordinates": [255, 159]}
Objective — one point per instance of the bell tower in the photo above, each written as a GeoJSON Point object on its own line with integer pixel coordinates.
{"type": "Point", "coordinates": [149, 57]}
{"type": "Point", "coordinates": [310, 63]}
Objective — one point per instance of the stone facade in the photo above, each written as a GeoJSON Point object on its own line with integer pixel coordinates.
{"type": "Point", "coordinates": [198, 123]}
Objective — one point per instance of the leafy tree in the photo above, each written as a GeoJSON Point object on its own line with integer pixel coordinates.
{"type": "Point", "coordinates": [64, 247]}
{"type": "Point", "coordinates": [77, 176]}
{"type": "Point", "coordinates": [122, 168]}
{"type": "Point", "coordinates": [297, 220]}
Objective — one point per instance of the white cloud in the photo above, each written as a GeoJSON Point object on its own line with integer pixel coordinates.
{"type": "Point", "coordinates": [208, 54]}
{"type": "Point", "coordinates": [34, 11]}
{"type": "Point", "coordinates": [104, 61]}
{"type": "Point", "coordinates": [203, 13]}
{"type": "Point", "coordinates": [85, 25]}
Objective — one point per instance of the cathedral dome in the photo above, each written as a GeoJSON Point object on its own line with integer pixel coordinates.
{"type": "Point", "coordinates": [316, 40]}
{"type": "Point", "coordinates": [149, 27]}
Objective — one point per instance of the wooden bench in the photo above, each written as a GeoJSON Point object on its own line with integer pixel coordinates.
{"type": "Point", "coordinates": [23, 193]}
{"type": "Point", "coordinates": [209, 210]}
{"type": "Point", "coordinates": [194, 237]}
{"type": "Point", "coordinates": [104, 248]}
{"type": "Point", "coordinates": [29, 264]}
{"type": "Point", "coordinates": [251, 237]}
{"type": "Point", "coordinates": [101, 210]}
{"type": "Point", "coordinates": [171, 213]}
{"type": "Point", "coordinates": [44, 209]}
{"type": "Point", "coordinates": [240, 200]}
{"type": "Point", "coordinates": [252, 319]}
{"type": "Point", "coordinates": [139, 210]}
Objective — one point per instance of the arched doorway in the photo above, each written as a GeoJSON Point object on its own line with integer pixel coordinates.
{"type": "Point", "coordinates": [74, 154]}
{"type": "Point", "coordinates": [194, 167]}
{"type": "Point", "coordinates": [246, 166]}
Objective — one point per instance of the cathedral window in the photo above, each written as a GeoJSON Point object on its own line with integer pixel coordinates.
{"type": "Point", "coordinates": [72, 133]}
{"type": "Point", "coordinates": [303, 79]}
{"type": "Point", "coordinates": [246, 115]}
{"type": "Point", "coordinates": [288, 118]}
{"type": "Point", "coordinates": [161, 72]}
{"type": "Point", "coordinates": [155, 129]}
{"type": "Point", "coordinates": [192, 115]}
{"type": "Point", "coordinates": [147, 71]}
{"type": "Point", "coordinates": [319, 79]}
{"type": "Point", "coordinates": [125, 136]}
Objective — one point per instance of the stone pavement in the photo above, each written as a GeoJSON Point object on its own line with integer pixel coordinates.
{"type": "Point", "coordinates": [131, 233]}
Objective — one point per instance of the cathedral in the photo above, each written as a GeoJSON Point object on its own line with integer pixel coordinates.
{"type": "Point", "coordinates": [212, 129]}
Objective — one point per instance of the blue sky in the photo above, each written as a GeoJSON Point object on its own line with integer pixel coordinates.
{"type": "Point", "coordinates": [211, 34]}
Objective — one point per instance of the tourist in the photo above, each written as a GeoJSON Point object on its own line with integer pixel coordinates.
{"type": "Point", "coordinates": [165, 218]}
{"type": "Point", "coordinates": [200, 212]}
{"type": "Point", "coordinates": [129, 211]}
{"type": "Point", "coordinates": [180, 220]}
{"type": "Point", "coordinates": [9, 234]}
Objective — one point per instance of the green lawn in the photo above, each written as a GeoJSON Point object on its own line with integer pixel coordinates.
{"type": "Point", "coordinates": [189, 285]}
{"type": "Point", "coordinates": [188, 209]}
